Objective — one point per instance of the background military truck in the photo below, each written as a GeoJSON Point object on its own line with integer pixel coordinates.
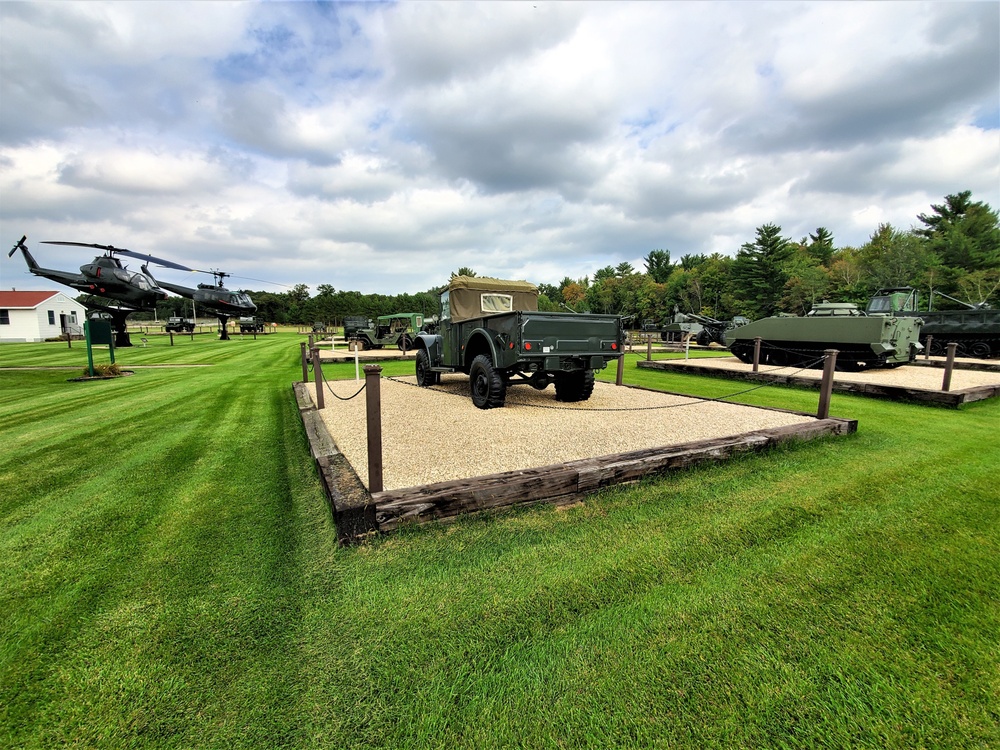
{"type": "Point", "coordinates": [353, 324]}
{"type": "Point", "coordinates": [491, 330]}
{"type": "Point", "coordinates": [179, 325]}
{"type": "Point", "coordinates": [251, 325]}
{"type": "Point", "coordinates": [397, 330]}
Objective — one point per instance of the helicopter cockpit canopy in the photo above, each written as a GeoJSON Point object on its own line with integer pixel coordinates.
{"type": "Point", "coordinates": [240, 298]}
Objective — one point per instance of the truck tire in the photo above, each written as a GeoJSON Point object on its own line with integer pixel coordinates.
{"type": "Point", "coordinates": [425, 377]}
{"type": "Point", "coordinates": [404, 343]}
{"type": "Point", "coordinates": [486, 384]}
{"type": "Point", "coordinates": [574, 386]}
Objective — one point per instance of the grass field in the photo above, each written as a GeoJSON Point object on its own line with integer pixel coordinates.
{"type": "Point", "coordinates": [171, 580]}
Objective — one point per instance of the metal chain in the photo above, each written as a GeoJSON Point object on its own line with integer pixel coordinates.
{"type": "Point", "coordinates": [636, 408]}
{"type": "Point", "coordinates": [341, 398]}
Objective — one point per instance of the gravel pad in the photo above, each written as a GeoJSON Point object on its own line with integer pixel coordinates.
{"type": "Point", "coordinates": [923, 378]}
{"type": "Point", "coordinates": [437, 434]}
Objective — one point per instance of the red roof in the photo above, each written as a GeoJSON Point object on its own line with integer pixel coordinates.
{"type": "Point", "coordinates": [24, 299]}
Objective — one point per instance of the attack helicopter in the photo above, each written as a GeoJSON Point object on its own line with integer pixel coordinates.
{"type": "Point", "coordinates": [215, 298]}
{"type": "Point", "coordinates": [107, 277]}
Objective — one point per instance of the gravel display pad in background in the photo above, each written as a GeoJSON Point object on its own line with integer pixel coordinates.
{"type": "Point", "coordinates": [907, 376]}
{"type": "Point", "coordinates": [437, 434]}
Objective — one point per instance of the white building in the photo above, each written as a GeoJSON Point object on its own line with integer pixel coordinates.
{"type": "Point", "coordinates": [36, 316]}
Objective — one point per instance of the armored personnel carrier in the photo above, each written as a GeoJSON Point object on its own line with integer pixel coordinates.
{"type": "Point", "coordinates": [863, 341]}
{"type": "Point", "coordinates": [976, 329]}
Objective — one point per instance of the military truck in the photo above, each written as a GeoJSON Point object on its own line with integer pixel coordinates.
{"type": "Point", "coordinates": [355, 323]}
{"type": "Point", "coordinates": [492, 331]}
{"type": "Point", "coordinates": [397, 330]}
{"type": "Point", "coordinates": [179, 325]}
{"type": "Point", "coordinates": [251, 325]}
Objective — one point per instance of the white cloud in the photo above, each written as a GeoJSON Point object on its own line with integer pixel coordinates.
{"type": "Point", "coordinates": [381, 146]}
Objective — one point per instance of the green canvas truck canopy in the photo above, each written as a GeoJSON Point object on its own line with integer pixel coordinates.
{"type": "Point", "coordinates": [475, 296]}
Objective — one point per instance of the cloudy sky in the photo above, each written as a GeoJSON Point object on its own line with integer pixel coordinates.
{"type": "Point", "coordinates": [379, 147]}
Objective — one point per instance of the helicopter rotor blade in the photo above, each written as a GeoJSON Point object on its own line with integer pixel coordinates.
{"type": "Point", "coordinates": [146, 258]}
{"type": "Point", "coordinates": [107, 248]}
{"type": "Point", "coordinates": [19, 245]}
{"type": "Point", "coordinates": [122, 251]}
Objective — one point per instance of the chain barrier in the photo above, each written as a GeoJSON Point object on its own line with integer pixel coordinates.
{"type": "Point", "coordinates": [341, 398]}
{"type": "Point", "coordinates": [696, 400]}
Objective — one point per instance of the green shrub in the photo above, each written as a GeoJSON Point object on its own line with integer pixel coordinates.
{"type": "Point", "coordinates": [104, 371]}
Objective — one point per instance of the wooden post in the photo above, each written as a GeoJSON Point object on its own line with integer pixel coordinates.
{"type": "Point", "coordinates": [927, 346]}
{"type": "Point", "coordinates": [305, 363]}
{"type": "Point", "coordinates": [949, 365]}
{"type": "Point", "coordinates": [318, 373]}
{"type": "Point", "coordinates": [756, 354]}
{"type": "Point", "coordinates": [69, 340]}
{"type": "Point", "coordinates": [826, 387]}
{"type": "Point", "coordinates": [171, 338]}
{"type": "Point", "coordinates": [621, 370]}
{"type": "Point", "coordinates": [312, 343]}
{"type": "Point", "coordinates": [649, 348]}
{"type": "Point", "coordinates": [373, 409]}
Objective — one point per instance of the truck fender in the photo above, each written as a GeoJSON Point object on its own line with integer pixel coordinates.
{"type": "Point", "coordinates": [473, 347]}
{"type": "Point", "coordinates": [432, 343]}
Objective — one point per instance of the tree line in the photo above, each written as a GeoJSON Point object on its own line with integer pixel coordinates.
{"type": "Point", "coordinates": [954, 250]}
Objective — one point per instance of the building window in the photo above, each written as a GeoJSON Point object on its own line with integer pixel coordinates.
{"type": "Point", "coordinates": [52, 318]}
{"type": "Point", "coordinates": [4, 317]}
{"type": "Point", "coordinates": [72, 317]}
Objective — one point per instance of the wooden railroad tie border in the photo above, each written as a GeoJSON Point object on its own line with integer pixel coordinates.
{"type": "Point", "coordinates": [953, 398]}
{"type": "Point", "coordinates": [358, 514]}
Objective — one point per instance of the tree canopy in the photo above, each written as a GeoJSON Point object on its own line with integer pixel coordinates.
{"type": "Point", "coordinates": [956, 250]}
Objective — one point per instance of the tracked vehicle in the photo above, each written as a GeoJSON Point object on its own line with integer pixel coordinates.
{"type": "Point", "coordinates": [976, 329]}
{"type": "Point", "coordinates": [863, 341]}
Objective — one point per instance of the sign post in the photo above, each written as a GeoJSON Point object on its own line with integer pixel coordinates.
{"type": "Point", "coordinates": [98, 332]}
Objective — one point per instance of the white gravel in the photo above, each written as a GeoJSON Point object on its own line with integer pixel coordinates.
{"type": "Point", "coordinates": [907, 376]}
{"type": "Point", "coordinates": [437, 434]}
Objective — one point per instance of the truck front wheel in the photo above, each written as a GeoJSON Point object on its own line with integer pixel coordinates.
{"type": "Point", "coordinates": [574, 386]}
{"type": "Point", "coordinates": [426, 377]}
{"type": "Point", "coordinates": [486, 384]}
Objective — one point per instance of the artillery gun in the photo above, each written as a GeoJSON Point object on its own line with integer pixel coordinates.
{"type": "Point", "coordinates": [701, 328]}
{"type": "Point", "coordinates": [975, 329]}
{"type": "Point", "coordinates": [863, 341]}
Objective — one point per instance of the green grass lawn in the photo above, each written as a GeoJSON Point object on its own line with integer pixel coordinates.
{"type": "Point", "coordinates": [171, 579]}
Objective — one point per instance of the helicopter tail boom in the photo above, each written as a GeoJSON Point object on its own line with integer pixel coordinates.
{"type": "Point", "coordinates": [32, 263]}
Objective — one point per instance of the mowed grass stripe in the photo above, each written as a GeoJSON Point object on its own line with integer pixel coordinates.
{"type": "Point", "coordinates": [205, 523]}
{"type": "Point", "coordinates": [839, 593]}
